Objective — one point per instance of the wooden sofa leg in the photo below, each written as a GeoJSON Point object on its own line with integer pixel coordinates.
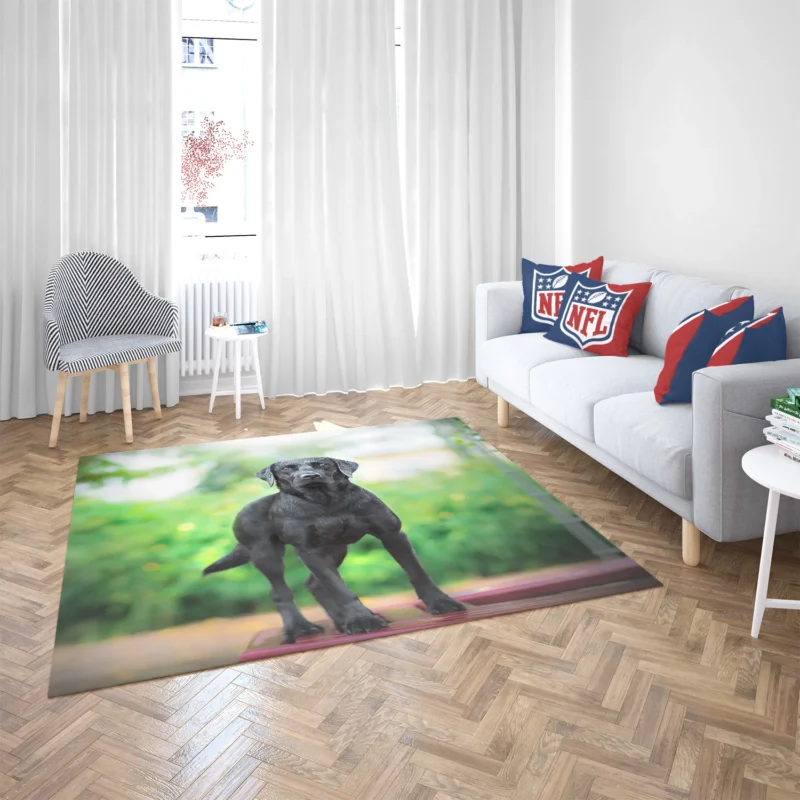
{"type": "Point", "coordinates": [691, 544]}
{"type": "Point", "coordinates": [502, 412]}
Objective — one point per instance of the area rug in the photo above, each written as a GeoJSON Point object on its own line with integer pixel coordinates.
{"type": "Point", "coordinates": [188, 558]}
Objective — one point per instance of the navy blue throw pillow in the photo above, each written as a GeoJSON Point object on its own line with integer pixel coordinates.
{"type": "Point", "coordinates": [543, 290]}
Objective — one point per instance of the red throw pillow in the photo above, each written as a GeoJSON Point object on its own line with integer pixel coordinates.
{"type": "Point", "coordinates": [596, 316]}
{"type": "Point", "coordinates": [691, 345]}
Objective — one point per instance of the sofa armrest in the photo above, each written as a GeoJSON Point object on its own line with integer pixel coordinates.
{"type": "Point", "coordinates": [498, 312]}
{"type": "Point", "coordinates": [728, 409]}
{"type": "Point", "coordinates": [156, 316]}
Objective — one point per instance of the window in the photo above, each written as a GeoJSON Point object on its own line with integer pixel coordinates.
{"type": "Point", "coordinates": [220, 116]}
{"type": "Point", "coordinates": [206, 47]}
{"type": "Point", "coordinates": [198, 52]}
{"type": "Point", "coordinates": [209, 212]}
{"type": "Point", "coordinates": [191, 120]}
{"type": "Point", "coordinates": [188, 50]}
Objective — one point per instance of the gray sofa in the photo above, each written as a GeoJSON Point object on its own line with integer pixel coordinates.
{"type": "Point", "coordinates": [688, 456]}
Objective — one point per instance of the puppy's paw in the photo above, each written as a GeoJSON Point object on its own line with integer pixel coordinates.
{"type": "Point", "coordinates": [304, 628]}
{"type": "Point", "coordinates": [363, 621]}
{"type": "Point", "coordinates": [442, 604]}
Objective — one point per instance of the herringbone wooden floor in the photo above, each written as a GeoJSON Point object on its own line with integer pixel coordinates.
{"type": "Point", "coordinates": [658, 695]}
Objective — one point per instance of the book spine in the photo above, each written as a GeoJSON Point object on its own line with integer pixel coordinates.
{"type": "Point", "coordinates": [795, 458]}
{"type": "Point", "coordinates": [784, 436]}
{"type": "Point", "coordinates": [785, 418]}
{"type": "Point", "coordinates": [783, 422]}
{"type": "Point", "coordinates": [784, 445]}
{"type": "Point", "coordinates": [794, 396]}
{"type": "Point", "coordinates": [785, 406]}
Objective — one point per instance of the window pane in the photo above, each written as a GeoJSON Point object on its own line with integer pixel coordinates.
{"type": "Point", "coordinates": [188, 50]}
{"type": "Point", "coordinates": [206, 51]}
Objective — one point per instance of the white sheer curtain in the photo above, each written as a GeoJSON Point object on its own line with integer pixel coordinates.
{"type": "Point", "coordinates": [460, 154]}
{"type": "Point", "coordinates": [88, 163]}
{"type": "Point", "coordinates": [29, 197]}
{"type": "Point", "coordinates": [336, 288]}
{"type": "Point", "coordinates": [120, 61]}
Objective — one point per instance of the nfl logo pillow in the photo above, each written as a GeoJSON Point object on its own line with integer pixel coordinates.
{"type": "Point", "coordinates": [762, 339]}
{"type": "Point", "coordinates": [543, 291]}
{"type": "Point", "coordinates": [597, 316]}
{"type": "Point", "coordinates": [691, 344]}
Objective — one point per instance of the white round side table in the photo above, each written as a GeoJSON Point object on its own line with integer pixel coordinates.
{"type": "Point", "coordinates": [768, 466]}
{"type": "Point", "coordinates": [219, 336]}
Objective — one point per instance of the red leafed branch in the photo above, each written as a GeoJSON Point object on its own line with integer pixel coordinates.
{"type": "Point", "coordinates": [204, 157]}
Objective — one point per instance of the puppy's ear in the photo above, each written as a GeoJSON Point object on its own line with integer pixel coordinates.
{"type": "Point", "coordinates": [267, 475]}
{"type": "Point", "coordinates": [346, 467]}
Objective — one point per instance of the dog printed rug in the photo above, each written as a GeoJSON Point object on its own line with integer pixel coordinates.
{"type": "Point", "coordinates": [188, 558]}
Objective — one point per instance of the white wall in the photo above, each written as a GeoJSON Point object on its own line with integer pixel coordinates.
{"type": "Point", "coordinates": [686, 136]}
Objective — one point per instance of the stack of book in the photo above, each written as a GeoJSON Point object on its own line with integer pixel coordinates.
{"type": "Point", "coordinates": [785, 424]}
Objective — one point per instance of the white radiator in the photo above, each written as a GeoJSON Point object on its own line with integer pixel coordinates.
{"type": "Point", "coordinates": [198, 302]}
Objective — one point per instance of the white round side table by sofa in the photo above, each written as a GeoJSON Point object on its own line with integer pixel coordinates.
{"type": "Point", "coordinates": [768, 466]}
{"type": "Point", "coordinates": [219, 336]}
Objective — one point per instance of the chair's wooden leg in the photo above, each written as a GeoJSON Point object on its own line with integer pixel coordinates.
{"type": "Point", "coordinates": [502, 412]}
{"type": "Point", "coordinates": [691, 543]}
{"type": "Point", "coordinates": [86, 384]}
{"type": "Point", "coordinates": [125, 386]}
{"type": "Point", "coordinates": [153, 374]}
{"type": "Point", "coordinates": [61, 390]}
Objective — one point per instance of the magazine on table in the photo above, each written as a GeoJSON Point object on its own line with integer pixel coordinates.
{"type": "Point", "coordinates": [789, 445]}
{"type": "Point", "coordinates": [790, 453]}
{"type": "Point", "coordinates": [787, 406]}
{"type": "Point", "coordinates": [244, 328]}
{"type": "Point", "coordinates": [785, 424]}
{"type": "Point", "coordinates": [789, 424]}
{"type": "Point", "coordinates": [782, 435]}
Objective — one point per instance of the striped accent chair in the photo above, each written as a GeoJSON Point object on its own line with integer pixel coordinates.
{"type": "Point", "coordinates": [98, 316]}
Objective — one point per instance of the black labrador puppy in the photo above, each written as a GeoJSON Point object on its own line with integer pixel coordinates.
{"type": "Point", "coordinates": [320, 512]}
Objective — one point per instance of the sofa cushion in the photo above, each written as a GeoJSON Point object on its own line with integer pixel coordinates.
{"type": "Point", "coordinates": [791, 311]}
{"type": "Point", "coordinates": [628, 272]}
{"type": "Point", "coordinates": [672, 298]}
{"type": "Point", "coordinates": [567, 391]}
{"type": "Point", "coordinates": [653, 440]}
{"type": "Point", "coordinates": [508, 360]}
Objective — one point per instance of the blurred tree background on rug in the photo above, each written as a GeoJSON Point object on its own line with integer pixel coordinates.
{"type": "Point", "coordinates": [146, 523]}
